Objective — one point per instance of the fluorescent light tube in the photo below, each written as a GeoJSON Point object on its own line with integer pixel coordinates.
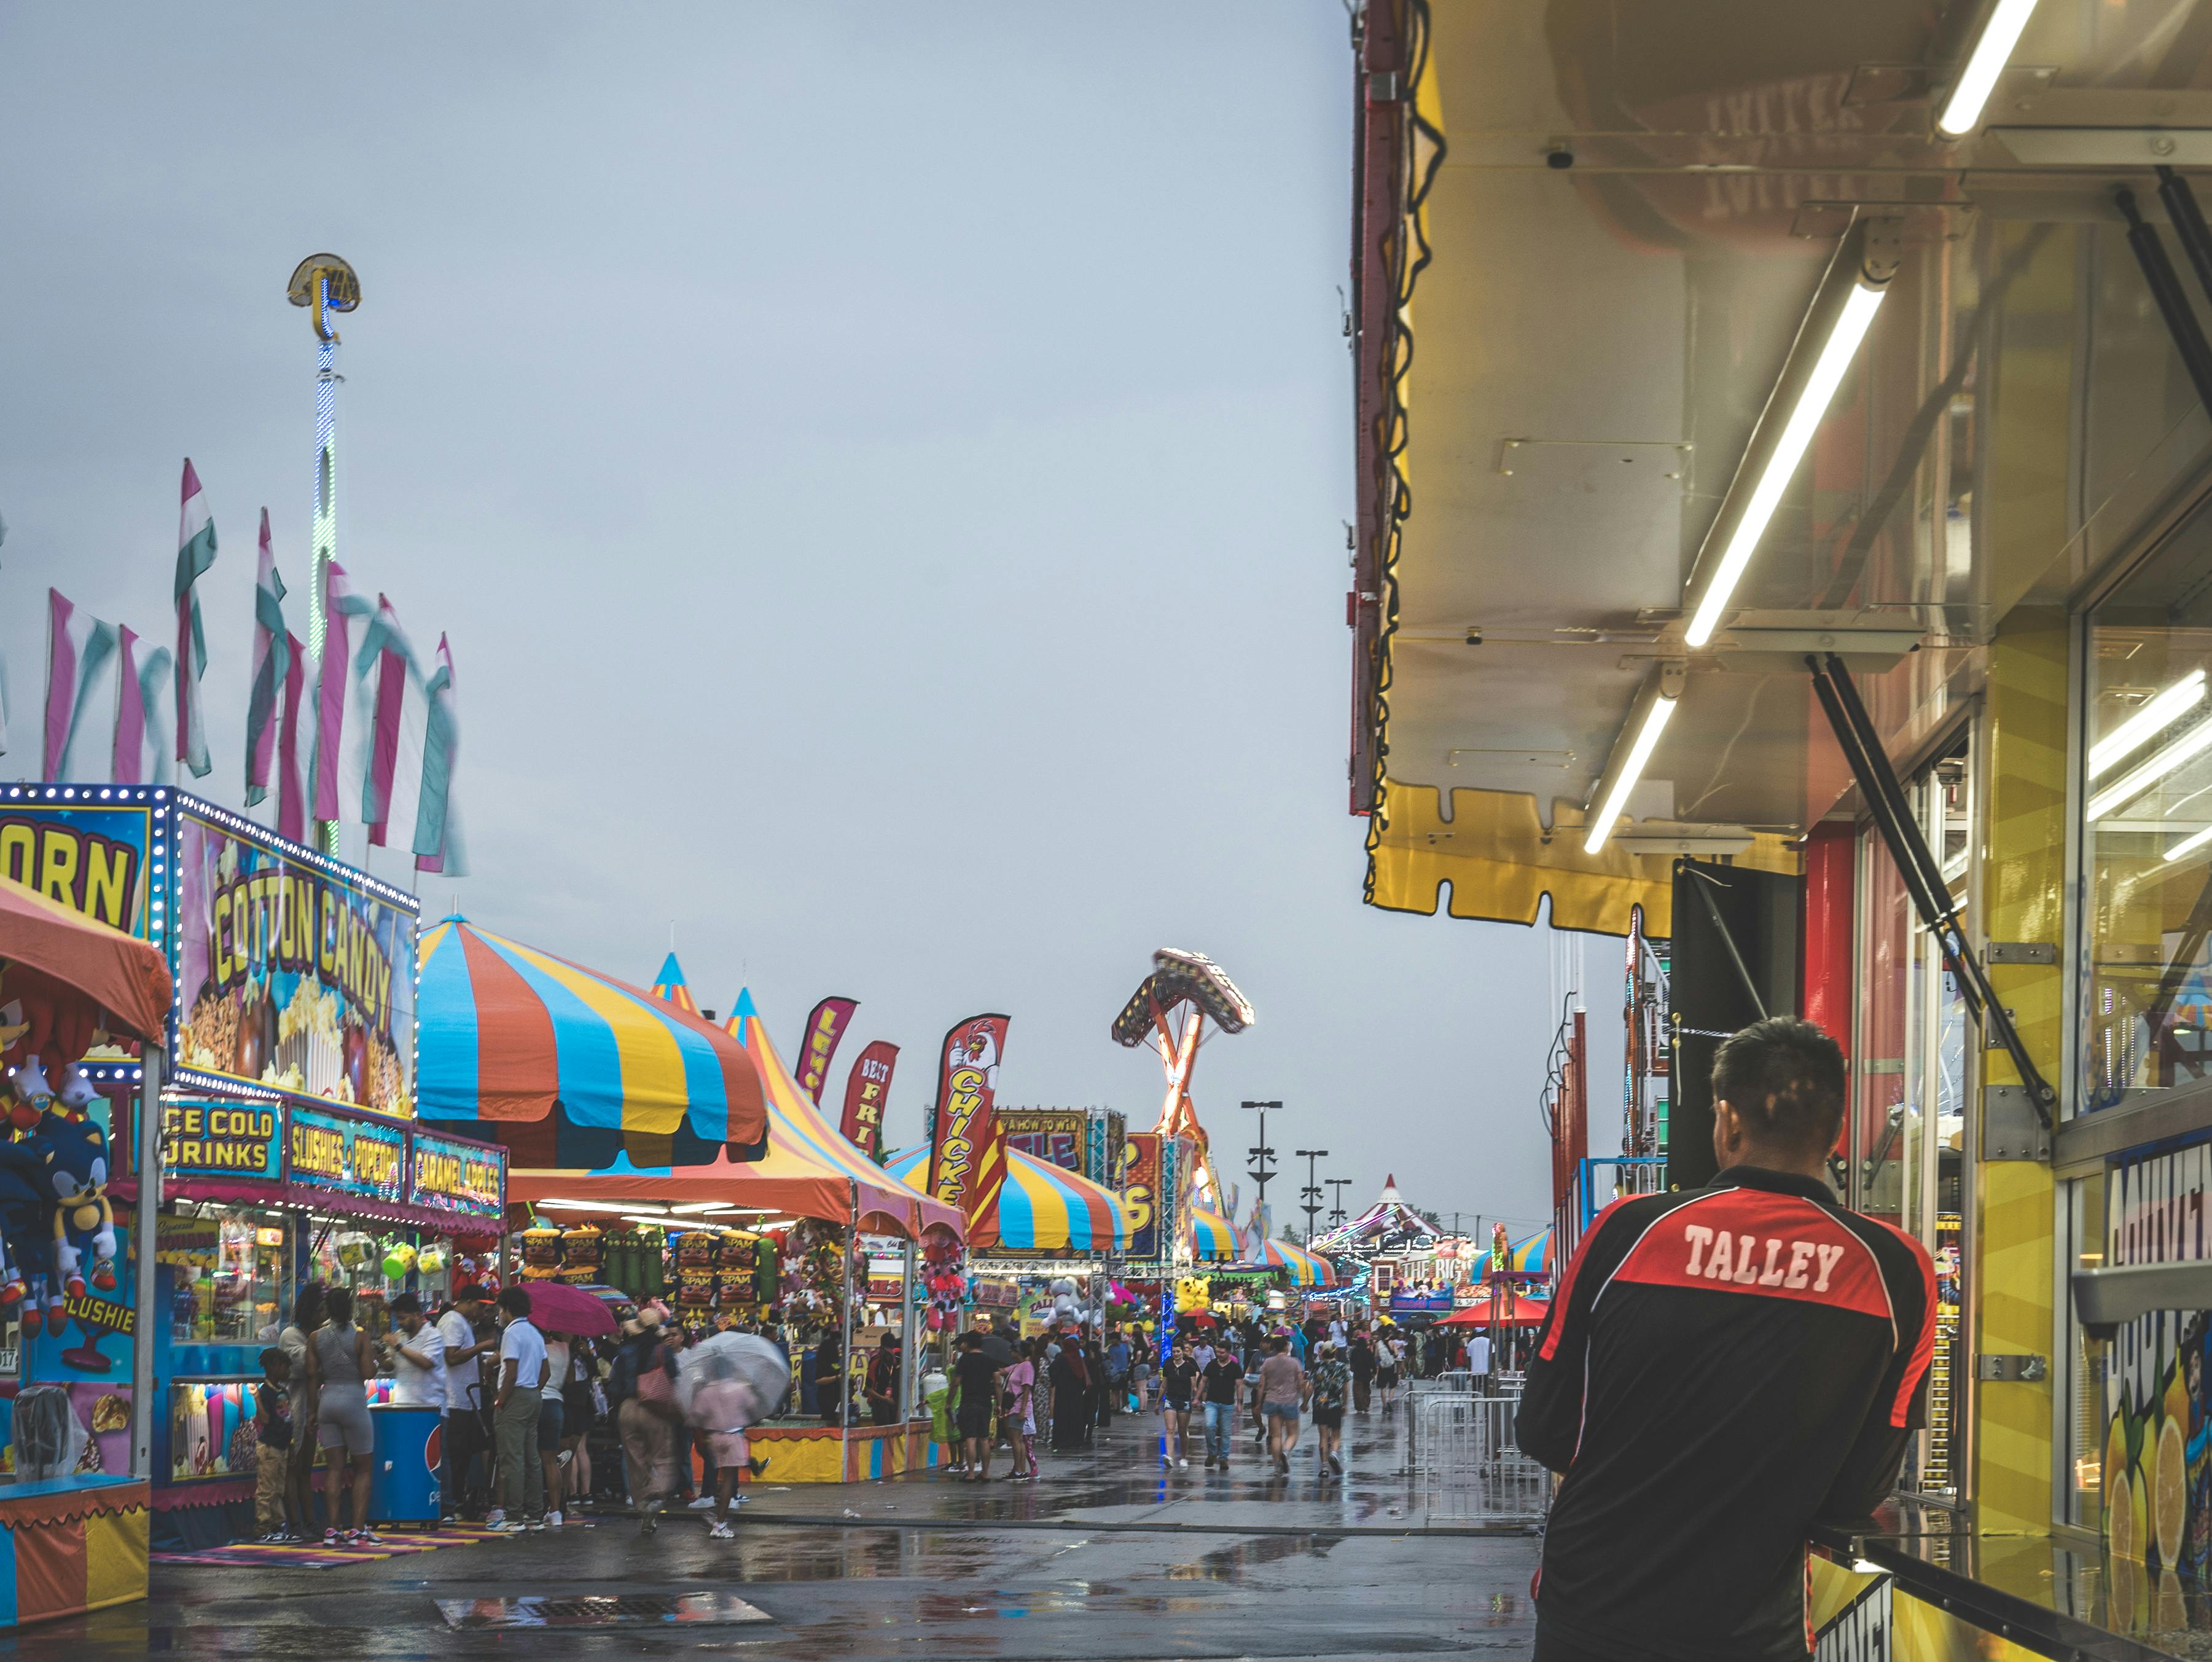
{"type": "Point", "coordinates": [2139, 780]}
{"type": "Point", "coordinates": [1851, 325]}
{"type": "Point", "coordinates": [1962, 110]}
{"type": "Point", "coordinates": [2189, 845]}
{"type": "Point", "coordinates": [2152, 719]}
{"type": "Point", "coordinates": [1647, 738]}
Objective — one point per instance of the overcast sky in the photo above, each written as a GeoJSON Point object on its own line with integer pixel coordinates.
{"type": "Point", "coordinates": [882, 470]}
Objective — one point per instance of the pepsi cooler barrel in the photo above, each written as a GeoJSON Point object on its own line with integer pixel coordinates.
{"type": "Point", "coordinates": [402, 1485]}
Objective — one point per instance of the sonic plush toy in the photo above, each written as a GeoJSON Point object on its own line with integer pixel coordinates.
{"type": "Point", "coordinates": [76, 1151]}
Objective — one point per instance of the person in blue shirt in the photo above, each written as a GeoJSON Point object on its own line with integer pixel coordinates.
{"type": "Point", "coordinates": [1117, 1375]}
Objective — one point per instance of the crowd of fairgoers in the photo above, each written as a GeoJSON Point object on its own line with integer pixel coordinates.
{"type": "Point", "coordinates": [1017, 1394]}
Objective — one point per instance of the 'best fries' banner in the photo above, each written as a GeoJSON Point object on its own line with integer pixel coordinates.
{"type": "Point", "coordinates": [866, 1092]}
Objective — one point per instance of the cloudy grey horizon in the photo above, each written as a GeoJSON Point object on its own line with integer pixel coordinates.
{"type": "Point", "coordinates": [882, 472]}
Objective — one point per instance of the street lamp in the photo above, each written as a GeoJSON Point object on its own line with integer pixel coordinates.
{"type": "Point", "coordinates": [1311, 1192]}
{"type": "Point", "coordinates": [1339, 1185]}
{"type": "Point", "coordinates": [1262, 1153]}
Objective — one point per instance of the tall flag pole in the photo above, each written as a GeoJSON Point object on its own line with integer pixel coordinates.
{"type": "Point", "coordinates": [195, 554]}
{"type": "Point", "coordinates": [327, 286]}
{"type": "Point", "coordinates": [272, 667]}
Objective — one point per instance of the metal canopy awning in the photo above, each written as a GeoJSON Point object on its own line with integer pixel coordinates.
{"type": "Point", "coordinates": [1606, 221]}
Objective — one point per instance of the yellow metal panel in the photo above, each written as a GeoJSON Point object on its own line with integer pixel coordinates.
{"type": "Point", "coordinates": [2022, 887]}
{"type": "Point", "coordinates": [114, 1557]}
{"type": "Point", "coordinates": [1501, 863]}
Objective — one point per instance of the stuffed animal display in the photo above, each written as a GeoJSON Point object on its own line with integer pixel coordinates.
{"type": "Point", "coordinates": [54, 1212]}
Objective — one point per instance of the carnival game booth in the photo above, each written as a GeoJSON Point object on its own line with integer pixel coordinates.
{"type": "Point", "coordinates": [289, 1086]}
{"type": "Point", "coordinates": [617, 1107]}
{"type": "Point", "coordinates": [256, 1202]}
{"type": "Point", "coordinates": [78, 1426]}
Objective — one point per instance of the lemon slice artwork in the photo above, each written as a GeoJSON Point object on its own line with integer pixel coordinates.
{"type": "Point", "coordinates": [2170, 1491]}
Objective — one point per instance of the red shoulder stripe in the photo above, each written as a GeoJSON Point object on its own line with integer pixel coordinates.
{"type": "Point", "coordinates": [1556, 1319]}
{"type": "Point", "coordinates": [1754, 1242]}
{"type": "Point", "coordinates": [1923, 1344]}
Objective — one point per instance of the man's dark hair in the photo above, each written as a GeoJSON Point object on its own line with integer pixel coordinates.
{"type": "Point", "coordinates": [515, 1301]}
{"type": "Point", "coordinates": [406, 1304]}
{"type": "Point", "coordinates": [1785, 1077]}
{"type": "Point", "coordinates": [1278, 1344]}
{"type": "Point", "coordinates": [971, 1341]}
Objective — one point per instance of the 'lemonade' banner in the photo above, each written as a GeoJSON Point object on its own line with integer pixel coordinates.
{"type": "Point", "coordinates": [824, 1029]}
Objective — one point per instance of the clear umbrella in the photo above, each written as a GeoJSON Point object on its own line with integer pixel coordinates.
{"type": "Point", "coordinates": [738, 1378]}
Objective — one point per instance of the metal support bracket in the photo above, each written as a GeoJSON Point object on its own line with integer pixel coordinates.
{"type": "Point", "coordinates": [1923, 878]}
{"type": "Point", "coordinates": [2019, 952]}
{"type": "Point", "coordinates": [2024, 1368]}
{"type": "Point", "coordinates": [2011, 1130]}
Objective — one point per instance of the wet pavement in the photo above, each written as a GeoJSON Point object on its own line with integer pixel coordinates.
{"type": "Point", "coordinates": [1107, 1556]}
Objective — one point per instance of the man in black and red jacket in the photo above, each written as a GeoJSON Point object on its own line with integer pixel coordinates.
{"type": "Point", "coordinates": [1720, 1368]}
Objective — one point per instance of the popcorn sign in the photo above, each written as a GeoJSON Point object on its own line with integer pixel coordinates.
{"type": "Point", "coordinates": [347, 1156]}
{"type": "Point", "coordinates": [297, 973]}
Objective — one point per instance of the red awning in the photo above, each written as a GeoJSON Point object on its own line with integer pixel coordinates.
{"type": "Point", "coordinates": [125, 977]}
{"type": "Point", "coordinates": [1527, 1312]}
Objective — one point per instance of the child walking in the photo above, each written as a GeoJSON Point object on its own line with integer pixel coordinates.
{"type": "Point", "coordinates": [272, 1450]}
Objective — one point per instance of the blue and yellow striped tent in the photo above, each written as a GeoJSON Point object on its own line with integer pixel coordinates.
{"type": "Point", "coordinates": [1212, 1238]}
{"type": "Point", "coordinates": [806, 1170]}
{"type": "Point", "coordinates": [1304, 1269]}
{"type": "Point", "coordinates": [572, 1068]}
{"type": "Point", "coordinates": [1041, 1207]}
{"type": "Point", "coordinates": [670, 984]}
{"type": "Point", "coordinates": [1531, 1258]}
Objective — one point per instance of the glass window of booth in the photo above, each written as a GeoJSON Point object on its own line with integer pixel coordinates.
{"type": "Point", "coordinates": [230, 1278]}
{"type": "Point", "coordinates": [1913, 1074]}
{"type": "Point", "coordinates": [2147, 832]}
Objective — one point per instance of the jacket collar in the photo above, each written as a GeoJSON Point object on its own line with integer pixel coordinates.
{"type": "Point", "coordinates": [1778, 1183]}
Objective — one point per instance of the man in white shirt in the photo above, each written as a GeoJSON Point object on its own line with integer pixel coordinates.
{"type": "Point", "coordinates": [1477, 1356]}
{"type": "Point", "coordinates": [1202, 1353]}
{"type": "Point", "coordinates": [418, 1357]}
{"type": "Point", "coordinates": [468, 1431]}
{"type": "Point", "coordinates": [515, 1414]}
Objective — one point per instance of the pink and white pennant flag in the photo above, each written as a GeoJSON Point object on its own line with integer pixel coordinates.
{"type": "Point", "coordinates": [195, 554]}
{"type": "Point", "coordinates": [407, 762]}
{"type": "Point", "coordinates": [142, 737]}
{"type": "Point", "coordinates": [79, 649]}
{"type": "Point", "coordinates": [128, 766]}
{"type": "Point", "coordinates": [272, 667]}
{"type": "Point", "coordinates": [438, 810]}
{"type": "Point", "coordinates": [340, 607]}
{"type": "Point", "coordinates": [291, 797]}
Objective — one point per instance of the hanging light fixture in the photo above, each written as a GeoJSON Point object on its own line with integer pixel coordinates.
{"type": "Point", "coordinates": [1835, 325]}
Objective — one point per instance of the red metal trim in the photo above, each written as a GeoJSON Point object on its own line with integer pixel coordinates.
{"type": "Point", "coordinates": [1377, 214]}
{"type": "Point", "coordinates": [1829, 890]}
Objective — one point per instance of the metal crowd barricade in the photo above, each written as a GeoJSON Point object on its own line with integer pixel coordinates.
{"type": "Point", "coordinates": [1466, 1461]}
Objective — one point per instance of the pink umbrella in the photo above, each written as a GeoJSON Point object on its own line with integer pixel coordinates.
{"type": "Point", "coordinates": [557, 1307]}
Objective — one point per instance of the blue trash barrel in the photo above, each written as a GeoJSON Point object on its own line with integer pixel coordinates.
{"type": "Point", "coordinates": [402, 1487]}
